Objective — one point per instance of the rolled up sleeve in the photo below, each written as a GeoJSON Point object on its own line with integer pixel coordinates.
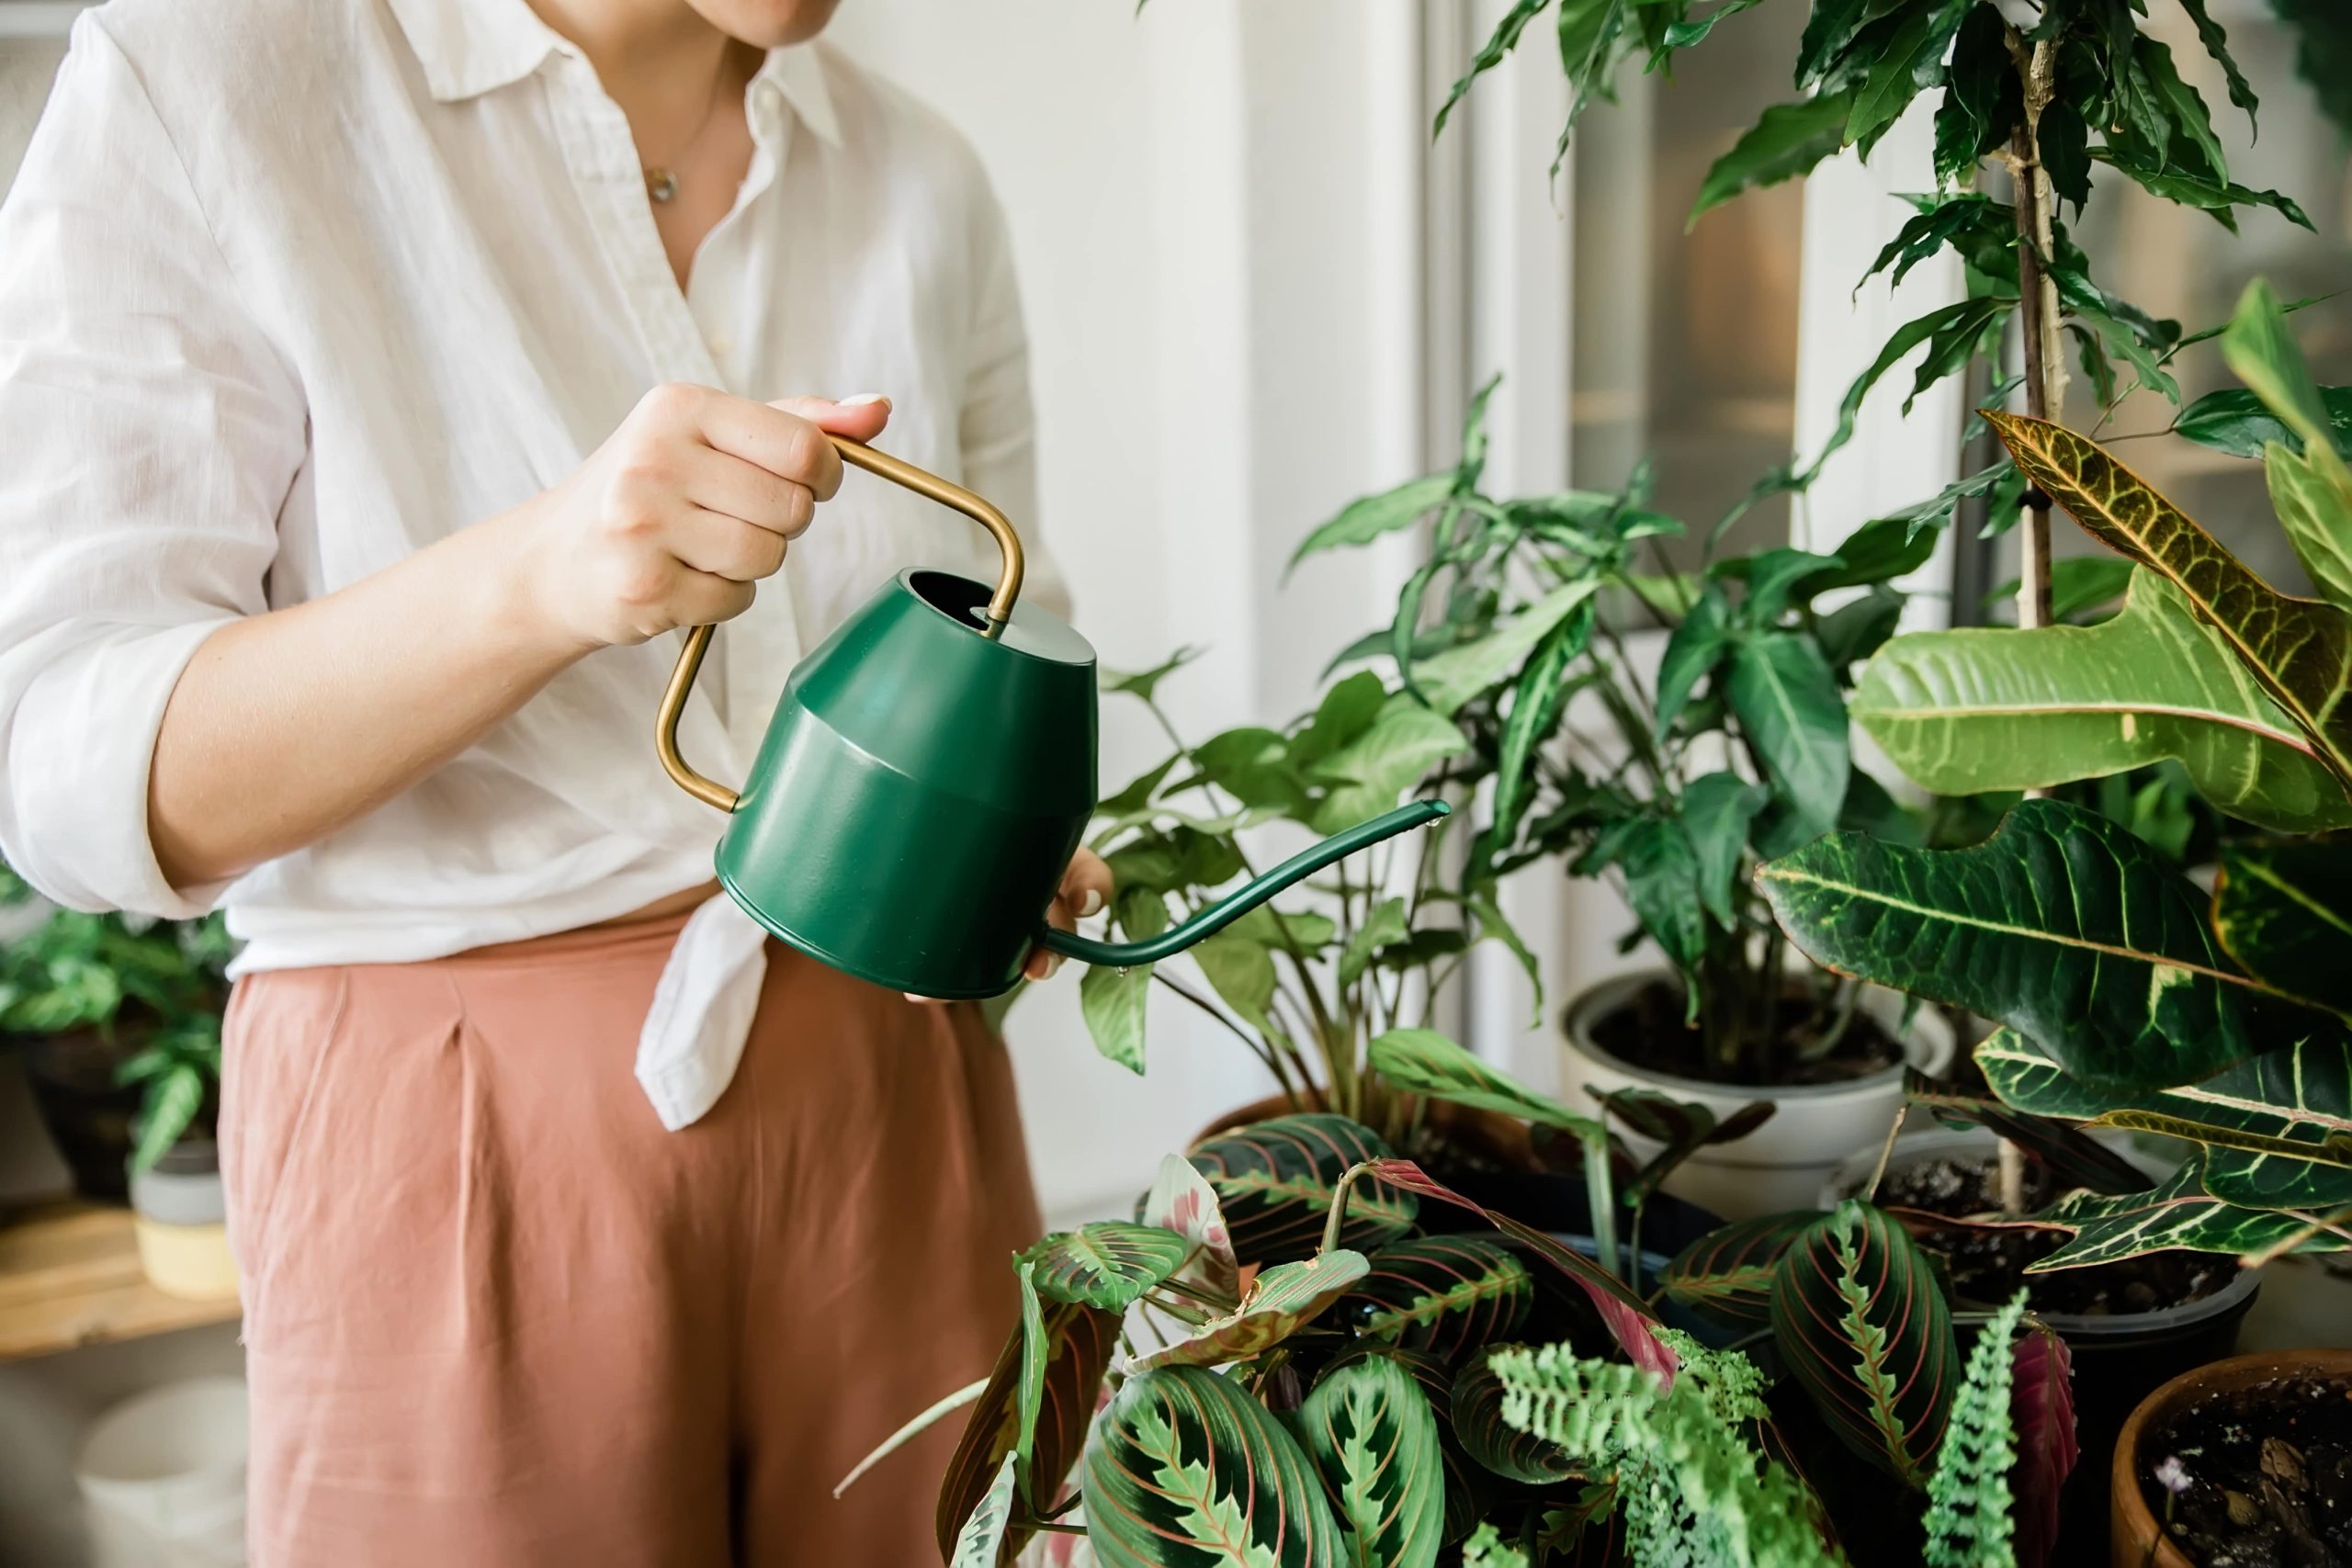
{"type": "Point", "coordinates": [151, 434]}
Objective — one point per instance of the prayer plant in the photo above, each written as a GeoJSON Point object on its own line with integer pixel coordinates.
{"type": "Point", "coordinates": [1295, 1354]}
{"type": "Point", "coordinates": [2129, 996]}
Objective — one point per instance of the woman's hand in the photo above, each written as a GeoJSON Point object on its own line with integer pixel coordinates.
{"type": "Point", "coordinates": [686, 506]}
{"type": "Point", "coordinates": [1086, 888]}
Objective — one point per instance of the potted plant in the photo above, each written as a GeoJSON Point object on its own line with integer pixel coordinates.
{"type": "Point", "coordinates": [2234, 1040]}
{"type": "Point", "coordinates": [1757, 660]}
{"type": "Point", "coordinates": [97, 1004]}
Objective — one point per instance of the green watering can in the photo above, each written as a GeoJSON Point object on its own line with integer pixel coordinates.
{"type": "Point", "coordinates": [926, 778]}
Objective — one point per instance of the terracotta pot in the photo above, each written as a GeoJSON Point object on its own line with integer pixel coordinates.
{"type": "Point", "coordinates": [2135, 1539]}
{"type": "Point", "coordinates": [1782, 1164]}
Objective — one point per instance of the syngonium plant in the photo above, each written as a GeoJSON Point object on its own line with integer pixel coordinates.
{"type": "Point", "coordinates": [2129, 996]}
{"type": "Point", "coordinates": [1287, 1358]}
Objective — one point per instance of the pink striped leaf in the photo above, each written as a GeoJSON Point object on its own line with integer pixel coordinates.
{"type": "Point", "coordinates": [2041, 1411]}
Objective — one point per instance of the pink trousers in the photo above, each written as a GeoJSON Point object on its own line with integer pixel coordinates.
{"type": "Point", "coordinates": [496, 1316]}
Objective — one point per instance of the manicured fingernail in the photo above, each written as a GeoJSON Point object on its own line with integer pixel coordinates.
{"type": "Point", "coordinates": [861, 399]}
{"type": "Point", "coordinates": [1091, 904]}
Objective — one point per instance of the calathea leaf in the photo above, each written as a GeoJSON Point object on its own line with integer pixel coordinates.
{"type": "Point", "coordinates": [980, 1542]}
{"type": "Point", "coordinates": [1108, 1264]}
{"type": "Point", "coordinates": [1630, 1321]}
{"type": "Point", "coordinates": [1187, 1468]}
{"type": "Point", "coordinates": [2300, 651]}
{"type": "Point", "coordinates": [1372, 1434]}
{"type": "Point", "coordinates": [2284, 911]}
{"type": "Point", "coordinates": [1858, 1314]}
{"type": "Point", "coordinates": [1727, 1275]}
{"type": "Point", "coordinates": [1985, 709]}
{"type": "Point", "coordinates": [1275, 1180]}
{"type": "Point", "coordinates": [1281, 1299]}
{"type": "Point", "coordinates": [1181, 1199]}
{"type": "Point", "coordinates": [2062, 925]}
{"type": "Point", "coordinates": [1422, 1061]}
{"type": "Point", "coordinates": [1494, 1443]}
{"type": "Point", "coordinates": [1444, 1294]}
{"type": "Point", "coordinates": [1075, 1343]}
{"type": "Point", "coordinates": [1787, 141]}
{"type": "Point", "coordinates": [1786, 698]}
{"type": "Point", "coordinates": [2041, 1415]}
{"type": "Point", "coordinates": [2077, 1160]}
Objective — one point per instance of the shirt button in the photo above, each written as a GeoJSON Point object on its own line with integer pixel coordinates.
{"type": "Point", "coordinates": [721, 345]}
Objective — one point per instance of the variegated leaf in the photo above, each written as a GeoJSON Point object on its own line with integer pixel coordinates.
{"type": "Point", "coordinates": [1629, 1320]}
{"type": "Point", "coordinates": [1727, 1274]}
{"type": "Point", "coordinates": [2294, 1103]}
{"type": "Point", "coordinates": [1108, 1264]}
{"type": "Point", "coordinates": [2179, 1214]}
{"type": "Point", "coordinates": [1181, 1199]}
{"type": "Point", "coordinates": [1281, 1299]}
{"type": "Point", "coordinates": [981, 1541]}
{"type": "Point", "coordinates": [1079, 1342]}
{"type": "Point", "coordinates": [1495, 1443]}
{"type": "Point", "coordinates": [2063, 925]}
{"type": "Point", "coordinates": [1372, 1433]}
{"type": "Point", "coordinates": [1186, 1468]}
{"type": "Point", "coordinates": [2300, 650]}
{"type": "Point", "coordinates": [1276, 1180]}
{"type": "Point", "coordinates": [1466, 1485]}
{"type": "Point", "coordinates": [1442, 1293]}
{"type": "Point", "coordinates": [2284, 911]}
{"type": "Point", "coordinates": [1857, 1316]}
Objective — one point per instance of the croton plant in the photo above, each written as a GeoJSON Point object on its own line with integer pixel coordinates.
{"type": "Point", "coordinates": [2128, 995]}
{"type": "Point", "coordinates": [1304, 1351]}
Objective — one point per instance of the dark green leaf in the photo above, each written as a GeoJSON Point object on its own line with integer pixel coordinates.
{"type": "Point", "coordinates": [1697, 646]}
{"type": "Point", "coordinates": [2264, 355]}
{"type": "Point", "coordinates": [1981, 98]}
{"type": "Point", "coordinates": [1495, 1443]}
{"type": "Point", "coordinates": [1857, 1316]}
{"type": "Point", "coordinates": [2074, 1157]}
{"type": "Point", "coordinates": [2062, 925]}
{"type": "Point", "coordinates": [1716, 809]}
{"type": "Point", "coordinates": [1275, 1180]}
{"type": "Point", "coordinates": [1373, 1436]}
{"type": "Point", "coordinates": [1679, 1128]}
{"type": "Point", "coordinates": [1787, 141]}
{"type": "Point", "coordinates": [2213, 196]}
{"type": "Point", "coordinates": [1912, 60]}
{"type": "Point", "coordinates": [2179, 1214]}
{"type": "Point", "coordinates": [1950, 332]}
{"type": "Point", "coordinates": [1444, 1294]}
{"type": "Point", "coordinates": [1854, 631]}
{"type": "Point", "coordinates": [1661, 871]}
{"type": "Point", "coordinates": [2283, 910]}
{"type": "Point", "coordinates": [1185, 1467]}
{"type": "Point", "coordinates": [2065, 153]}
{"type": "Point", "coordinates": [2216, 41]}
{"type": "Point", "coordinates": [1535, 706]}
{"type": "Point", "coordinates": [1726, 1274]}
{"type": "Point", "coordinates": [2235, 422]}
{"type": "Point", "coordinates": [2178, 103]}
{"type": "Point", "coordinates": [1919, 522]}
{"type": "Point", "coordinates": [1786, 698]}
{"type": "Point", "coordinates": [1504, 39]}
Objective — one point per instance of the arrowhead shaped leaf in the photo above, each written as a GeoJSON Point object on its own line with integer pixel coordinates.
{"type": "Point", "coordinates": [1187, 1467]}
{"type": "Point", "coordinates": [1444, 1294]}
{"type": "Point", "coordinates": [1370, 1430]}
{"type": "Point", "coordinates": [1405, 741]}
{"type": "Point", "coordinates": [1858, 1314]}
{"type": "Point", "coordinates": [2062, 925]}
{"type": "Point", "coordinates": [1995, 708]}
{"type": "Point", "coordinates": [2300, 650]}
{"type": "Point", "coordinates": [1276, 1180]}
{"type": "Point", "coordinates": [1109, 1264]}
{"type": "Point", "coordinates": [1448, 680]}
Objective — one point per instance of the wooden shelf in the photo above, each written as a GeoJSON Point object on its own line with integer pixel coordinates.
{"type": "Point", "coordinates": [69, 1276]}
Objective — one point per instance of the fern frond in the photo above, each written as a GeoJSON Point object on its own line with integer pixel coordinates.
{"type": "Point", "coordinates": [1969, 1505]}
{"type": "Point", "coordinates": [1691, 1489]}
{"type": "Point", "coordinates": [1487, 1549]}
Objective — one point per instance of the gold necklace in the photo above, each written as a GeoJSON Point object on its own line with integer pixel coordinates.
{"type": "Point", "coordinates": [662, 179]}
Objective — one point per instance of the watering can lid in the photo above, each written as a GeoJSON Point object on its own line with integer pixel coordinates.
{"type": "Point", "coordinates": [1038, 633]}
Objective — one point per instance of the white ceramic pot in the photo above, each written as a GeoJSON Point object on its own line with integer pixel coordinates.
{"type": "Point", "coordinates": [180, 1215]}
{"type": "Point", "coordinates": [1784, 1163]}
{"type": "Point", "coordinates": [162, 1476]}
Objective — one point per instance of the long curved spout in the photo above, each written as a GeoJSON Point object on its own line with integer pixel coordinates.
{"type": "Point", "coordinates": [1226, 910]}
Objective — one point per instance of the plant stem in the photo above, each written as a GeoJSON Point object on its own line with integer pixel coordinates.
{"type": "Point", "coordinates": [1600, 1199]}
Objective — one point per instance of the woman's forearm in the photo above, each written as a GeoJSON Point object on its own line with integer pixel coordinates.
{"type": "Point", "coordinates": [285, 726]}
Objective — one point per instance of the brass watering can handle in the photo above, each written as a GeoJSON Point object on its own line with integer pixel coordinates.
{"type": "Point", "coordinates": [710, 792]}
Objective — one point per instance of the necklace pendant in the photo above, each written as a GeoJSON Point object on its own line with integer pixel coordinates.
{"type": "Point", "coordinates": [661, 185]}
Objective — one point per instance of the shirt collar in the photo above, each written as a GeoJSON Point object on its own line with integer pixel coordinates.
{"type": "Point", "coordinates": [471, 47]}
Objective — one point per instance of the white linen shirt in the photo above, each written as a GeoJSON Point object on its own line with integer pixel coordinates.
{"type": "Point", "coordinates": [292, 288]}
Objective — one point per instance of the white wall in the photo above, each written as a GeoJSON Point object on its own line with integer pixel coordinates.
{"type": "Point", "coordinates": [1216, 211]}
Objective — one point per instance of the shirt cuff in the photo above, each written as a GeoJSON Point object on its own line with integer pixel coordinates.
{"type": "Point", "coordinates": [80, 749]}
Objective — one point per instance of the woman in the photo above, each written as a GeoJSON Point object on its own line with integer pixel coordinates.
{"type": "Point", "coordinates": [382, 385]}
